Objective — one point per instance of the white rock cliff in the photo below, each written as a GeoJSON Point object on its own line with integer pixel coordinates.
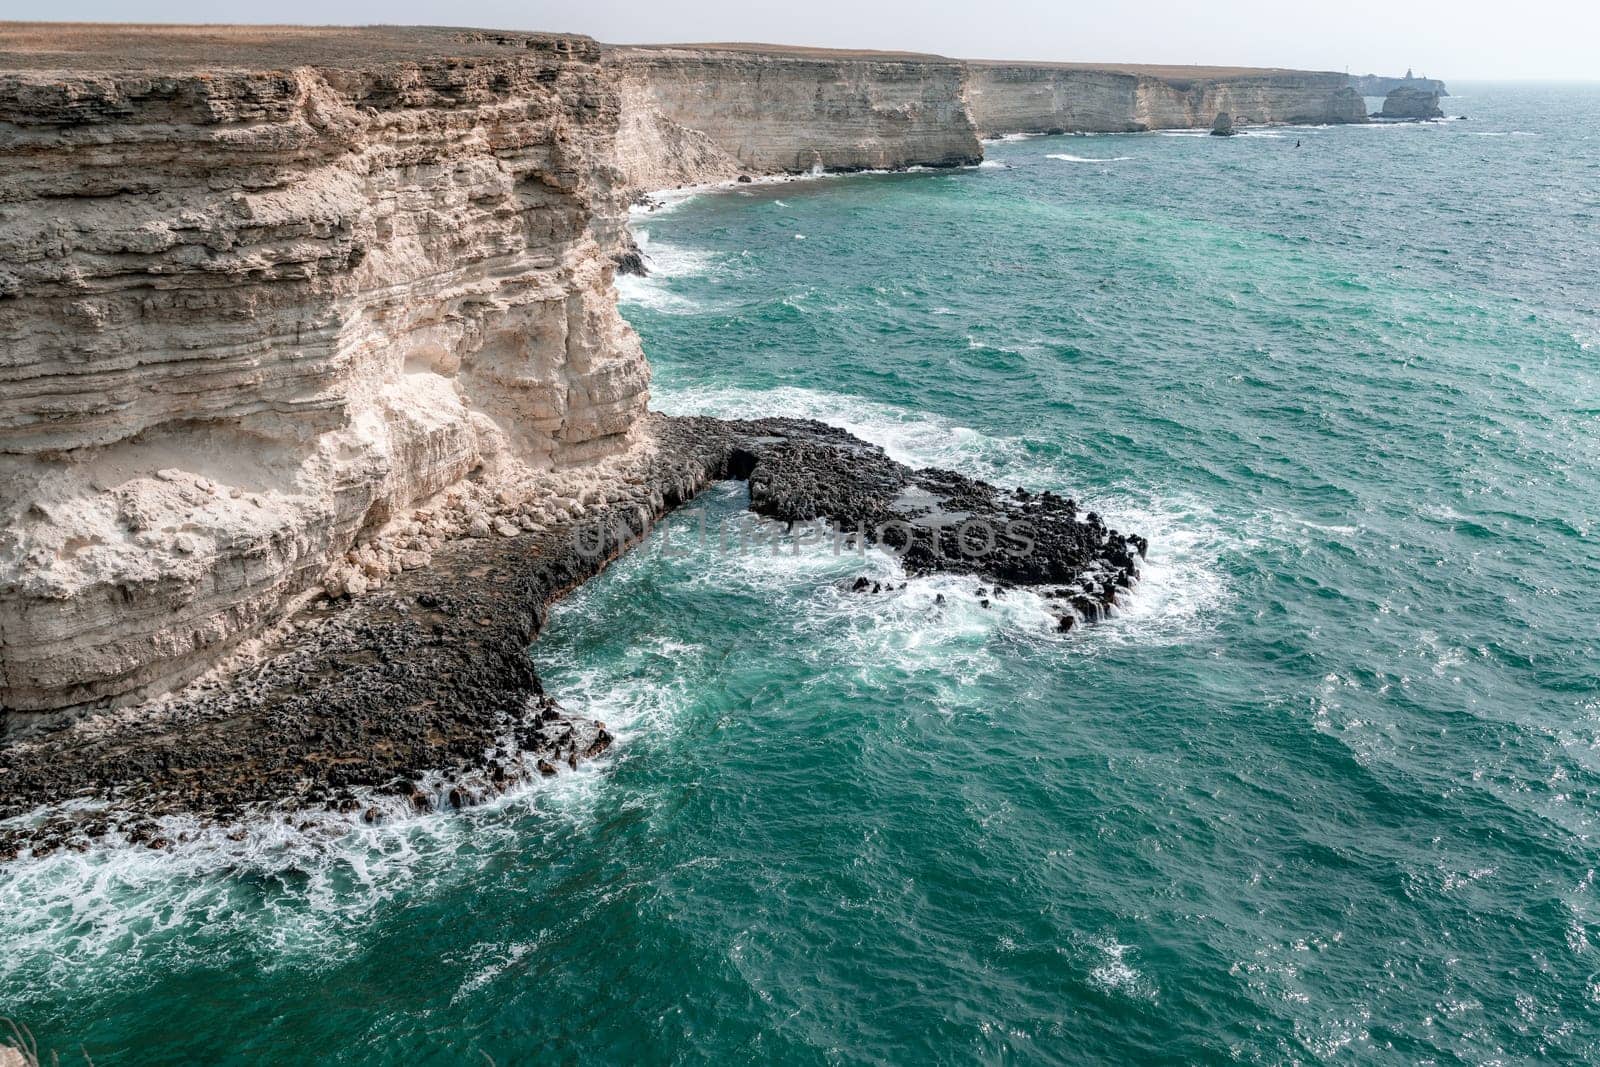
{"type": "Point", "coordinates": [738, 109]}
{"type": "Point", "coordinates": [282, 308]}
{"type": "Point", "coordinates": [248, 313]}
{"type": "Point", "coordinates": [1042, 97]}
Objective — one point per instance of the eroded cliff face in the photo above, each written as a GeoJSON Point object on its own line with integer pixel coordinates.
{"type": "Point", "coordinates": [693, 114]}
{"type": "Point", "coordinates": [1410, 102]}
{"type": "Point", "coordinates": [702, 114]}
{"type": "Point", "coordinates": [1009, 98]}
{"type": "Point", "coordinates": [247, 315]}
{"type": "Point", "coordinates": [1379, 85]}
{"type": "Point", "coordinates": [285, 309]}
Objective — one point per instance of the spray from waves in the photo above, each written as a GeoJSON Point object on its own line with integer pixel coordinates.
{"type": "Point", "coordinates": [1114, 974]}
{"type": "Point", "coordinates": [913, 438]}
{"type": "Point", "coordinates": [671, 261]}
{"type": "Point", "coordinates": [666, 263]}
{"type": "Point", "coordinates": [276, 892]}
{"type": "Point", "coordinates": [662, 201]}
{"type": "Point", "coordinates": [928, 632]}
{"type": "Point", "coordinates": [1067, 157]}
{"type": "Point", "coordinates": [1183, 588]}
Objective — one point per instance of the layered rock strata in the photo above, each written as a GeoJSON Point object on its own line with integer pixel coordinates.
{"type": "Point", "coordinates": [422, 695]}
{"type": "Point", "coordinates": [287, 311]}
{"type": "Point", "coordinates": [1006, 98]}
{"type": "Point", "coordinates": [251, 314]}
{"type": "Point", "coordinates": [696, 114]}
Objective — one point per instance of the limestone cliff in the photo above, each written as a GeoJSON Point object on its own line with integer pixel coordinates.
{"type": "Point", "coordinates": [284, 309]}
{"type": "Point", "coordinates": [701, 113]}
{"type": "Point", "coordinates": [720, 110]}
{"type": "Point", "coordinates": [1008, 98]}
{"type": "Point", "coordinates": [1378, 85]}
{"type": "Point", "coordinates": [256, 304]}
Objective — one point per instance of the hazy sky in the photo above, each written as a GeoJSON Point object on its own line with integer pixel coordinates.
{"type": "Point", "coordinates": [1441, 38]}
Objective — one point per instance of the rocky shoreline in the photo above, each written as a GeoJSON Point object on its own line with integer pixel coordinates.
{"type": "Point", "coordinates": [421, 694]}
{"type": "Point", "coordinates": [286, 309]}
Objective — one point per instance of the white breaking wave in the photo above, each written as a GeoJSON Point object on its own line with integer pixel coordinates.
{"type": "Point", "coordinates": [671, 261]}
{"type": "Point", "coordinates": [1116, 975]}
{"type": "Point", "coordinates": [1069, 158]}
{"type": "Point", "coordinates": [295, 892]}
{"type": "Point", "coordinates": [933, 628]}
{"type": "Point", "coordinates": [1183, 588]}
{"type": "Point", "coordinates": [665, 262]}
{"type": "Point", "coordinates": [914, 438]}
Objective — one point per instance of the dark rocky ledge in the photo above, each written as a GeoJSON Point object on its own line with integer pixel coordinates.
{"type": "Point", "coordinates": [424, 691]}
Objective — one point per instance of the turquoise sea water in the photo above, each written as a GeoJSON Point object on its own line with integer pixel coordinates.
{"type": "Point", "coordinates": [1325, 791]}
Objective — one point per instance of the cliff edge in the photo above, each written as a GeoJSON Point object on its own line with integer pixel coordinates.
{"type": "Point", "coordinates": [706, 112]}
{"type": "Point", "coordinates": [285, 310]}
{"type": "Point", "coordinates": [1009, 98]}
{"type": "Point", "coordinates": [264, 291]}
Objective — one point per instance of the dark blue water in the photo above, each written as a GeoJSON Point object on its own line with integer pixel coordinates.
{"type": "Point", "coordinates": [1325, 789]}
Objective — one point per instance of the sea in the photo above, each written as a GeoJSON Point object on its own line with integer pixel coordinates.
{"type": "Point", "coordinates": [1323, 790]}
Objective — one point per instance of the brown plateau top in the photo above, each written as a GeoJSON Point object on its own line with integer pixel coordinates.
{"type": "Point", "coordinates": [82, 46]}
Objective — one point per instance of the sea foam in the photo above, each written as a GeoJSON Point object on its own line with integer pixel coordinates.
{"type": "Point", "coordinates": [1183, 586]}
{"type": "Point", "coordinates": [665, 262]}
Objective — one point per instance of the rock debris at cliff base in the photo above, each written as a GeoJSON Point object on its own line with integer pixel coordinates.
{"type": "Point", "coordinates": [423, 692]}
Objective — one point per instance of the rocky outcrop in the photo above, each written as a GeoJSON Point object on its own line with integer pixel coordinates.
{"type": "Point", "coordinates": [1378, 85]}
{"type": "Point", "coordinates": [1410, 102]}
{"type": "Point", "coordinates": [251, 313]}
{"type": "Point", "coordinates": [1005, 98]}
{"type": "Point", "coordinates": [694, 114]}
{"type": "Point", "coordinates": [422, 696]}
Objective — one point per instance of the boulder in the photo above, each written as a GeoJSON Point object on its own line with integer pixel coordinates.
{"type": "Point", "coordinates": [1222, 126]}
